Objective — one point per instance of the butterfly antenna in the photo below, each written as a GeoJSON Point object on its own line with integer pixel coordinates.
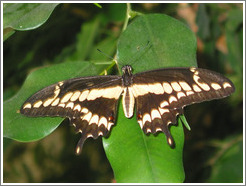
{"type": "Point", "coordinates": [106, 54]}
{"type": "Point", "coordinates": [115, 61]}
{"type": "Point", "coordinates": [141, 51]}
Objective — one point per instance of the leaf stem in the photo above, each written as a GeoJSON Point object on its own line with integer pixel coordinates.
{"type": "Point", "coordinates": [128, 16]}
{"type": "Point", "coordinates": [109, 67]}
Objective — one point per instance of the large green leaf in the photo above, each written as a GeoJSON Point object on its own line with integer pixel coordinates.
{"type": "Point", "coordinates": [25, 16]}
{"type": "Point", "coordinates": [134, 156]}
{"type": "Point", "coordinates": [22, 128]}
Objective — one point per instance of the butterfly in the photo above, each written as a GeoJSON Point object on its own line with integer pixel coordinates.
{"type": "Point", "coordinates": [158, 96]}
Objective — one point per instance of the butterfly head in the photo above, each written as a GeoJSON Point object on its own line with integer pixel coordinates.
{"type": "Point", "coordinates": [127, 70]}
{"type": "Point", "coordinates": [127, 75]}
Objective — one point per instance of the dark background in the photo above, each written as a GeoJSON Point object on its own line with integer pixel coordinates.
{"type": "Point", "coordinates": [212, 152]}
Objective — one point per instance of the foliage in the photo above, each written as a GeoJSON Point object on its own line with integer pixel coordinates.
{"type": "Point", "coordinates": [73, 32]}
{"type": "Point", "coordinates": [21, 16]}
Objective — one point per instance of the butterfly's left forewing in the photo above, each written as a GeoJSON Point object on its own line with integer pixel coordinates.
{"type": "Point", "coordinates": [89, 102]}
{"type": "Point", "coordinates": [161, 95]}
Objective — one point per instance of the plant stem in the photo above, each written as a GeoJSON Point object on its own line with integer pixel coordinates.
{"type": "Point", "coordinates": [128, 16]}
{"type": "Point", "coordinates": [109, 67]}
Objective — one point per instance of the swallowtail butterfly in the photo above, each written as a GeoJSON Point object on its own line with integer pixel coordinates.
{"type": "Point", "coordinates": [158, 96]}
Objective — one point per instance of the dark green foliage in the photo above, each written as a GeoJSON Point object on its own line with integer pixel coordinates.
{"type": "Point", "coordinates": [65, 42]}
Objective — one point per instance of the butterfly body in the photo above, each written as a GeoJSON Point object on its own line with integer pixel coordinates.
{"type": "Point", "coordinates": [157, 95]}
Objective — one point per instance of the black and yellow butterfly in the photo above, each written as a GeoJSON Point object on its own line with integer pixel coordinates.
{"type": "Point", "coordinates": [158, 96]}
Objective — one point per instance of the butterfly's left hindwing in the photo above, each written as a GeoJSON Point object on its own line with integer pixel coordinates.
{"type": "Point", "coordinates": [162, 94]}
{"type": "Point", "coordinates": [89, 102]}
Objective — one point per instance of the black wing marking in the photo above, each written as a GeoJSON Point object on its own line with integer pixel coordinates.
{"type": "Point", "coordinates": [162, 94]}
{"type": "Point", "coordinates": [89, 102]}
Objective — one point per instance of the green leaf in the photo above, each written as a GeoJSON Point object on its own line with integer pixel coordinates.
{"type": "Point", "coordinates": [107, 45]}
{"type": "Point", "coordinates": [184, 121]}
{"type": "Point", "coordinates": [203, 21]}
{"type": "Point", "coordinates": [7, 32]}
{"type": "Point", "coordinates": [22, 128]}
{"type": "Point", "coordinates": [134, 156]}
{"type": "Point", "coordinates": [139, 158]}
{"type": "Point", "coordinates": [98, 5]}
{"type": "Point", "coordinates": [26, 16]}
{"type": "Point", "coordinates": [86, 38]}
{"type": "Point", "coordinates": [171, 43]}
{"type": "Point", "coordinates": [227, 164]}
{"type": "Point", "coordinates": [234, 40]}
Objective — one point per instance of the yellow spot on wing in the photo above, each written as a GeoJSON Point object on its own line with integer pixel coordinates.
{"type": "Point", "coordinates": [55, 102]}
{"type": "Point", "coordinates": [94, 94]}
{"type": "Point", "coordinates": [66, 97]}
{"type": "Point", "coordinates": [196, 88]}
{"type": "Point", "coordinates": [84, 110]}
{"type": "Point", "coordinates": [78, 150]}
{"type": "Point", "coordinates": [77, 107]}
{"type": "Point", "coordinates": [75, 95]}
{"type": "Point", "coordinates": [70, 105]}
{"type": "Point", "coordinates": [109, 125]}
{"type": "Point", "coordinates": [155, 114]}
{"type": "Point", "coordinates": [87, 117]}
{"type": "Point", "coordinates": [140, 122]}
{"type": "Point", "coordinates": [56, 92]}
{"type": "Point", "coordinates": [61, 105]}
{"type": "Point", "coordinates": [189, 93]}
{"type": "Point", "coordinates": [180, 95]}
{"type": "Point", "coordinates": [156, 88]}
{"type": "Point", "coordinates": [48, 102]}
{"type": "Point", "coordinates": [60, 83]}
{"type": "Point", "coordinates": [167, 88]}
{"type": "Point", "coordinates": [94, 119]}
{"type": "Point", "coordinates": [163, 111]}
{"type": "Point", "coordinates": [140, 90]}
{"type": "Point", "coordinates": [172, 99]}
{"type": "Point", "coordinates": [170, 142]}
{"type": "Point", "coordinates": [163, 104]}
{"type": "Point", "coordinates": [112, 92]}
{"type": "Point", "coordinates": [146, 117]}
{"type": "Point", "coordinates": [83, 95]}
{"type": "Point", "coordinates": [204, 86]}
{"type": "Point", "coordinates": [192, 69]}
{"type": "Point", "coordinates": [176, 86]}
{"type": "Point", "coordinates": [27, 105]}
{"type": "Point", "coordinates": [148, 130]}
{"type": "Point", "coordinates": [225, 85]}
{"type": "Point", "coordinates": [37, 104]}
{"type": "Point", "coordinates": [103, 121]}
{"type": "Point", "coordinates": [215, 86]}
{"type": "Point", "coordinates": [185, 85]}
{"type": "Point", "coordinates": [89, 135]}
